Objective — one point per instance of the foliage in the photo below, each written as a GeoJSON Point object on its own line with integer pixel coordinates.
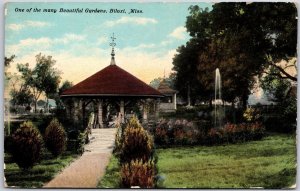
{"type": "Point", "coordinates": [182, 132]}
{"type": "Point", "coordinates": [233, 133]}
{"type": "Point", "coordinates": [185, 65]}
{"type": "Point", "coordinates": [138, 173]}
{"type": "Point", "coordinates": [76, 142]}
{"type": "Point", "coordinates": [7, 62]}
{"type": "Point", "coordinates": [43, 78]}
{"type": "Point", "coordinates": [21, 97]}
{"type": "Point", "coordinates": [27, 142]}
{"type": "Point", "coordinates": [119, 138]}
{"type": "Point", "coordinates": [170, 81]}
{"type": "Point", "coordinates": [136, 144]}
{"type": "Point", "coordinates": [176, 132]}
{"type": "Point", "coordinates": [8, 144]}
{"type": "Point", "coordinates": [65, 85]}
{"type": "Point", "coordinates": [251, 114]}
{"type": "Point", "coordinates": [241, 40]}
{"type": "Point", "coordinates": [55, 138]}
{"type": "Point", "coordinates": [134, 148]}
{"type": "Point", "coordinates": [283, 93]}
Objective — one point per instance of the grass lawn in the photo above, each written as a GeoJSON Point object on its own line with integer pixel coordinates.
{"type": "Point", "coordinates": [268, 163]}
{"type": "Point", "coordinates": [112, 176]}
{"type": "Point", "coordinates": [40, 174]}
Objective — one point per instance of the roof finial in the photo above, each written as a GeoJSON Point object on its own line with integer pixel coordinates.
{"type": "Point", "coordinates": [164, 73]}
{"type": "Point", "coordinates": [112, 44]}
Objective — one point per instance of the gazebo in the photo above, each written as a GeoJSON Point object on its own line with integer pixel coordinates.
{"type": "Point", "coordinates": [111, 86]}
{"type": "Point", "coordinates": [168, 103]}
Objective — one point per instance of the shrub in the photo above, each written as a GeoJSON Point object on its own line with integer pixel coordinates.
{"type": "Point", "coordinates": [8, 144]}
{"type": "Point", "coordinates": [137, 143]}
{"type": "Point", "coordinates": [138, 173]}
{"type": "Point", "coordinates": [176, 132]}
{"type": "Point", "coordinates": [55, 138]}
{"type": "Point", "coordinates": [215, 136]}
{"type": "Point", "coordinates": [27, 142]}
{"type": "Point", "coordinates": [161, 133]}
{"type": "Point", "coordinates": [183, 132]}
{"type": "Point", "coordinates": [119, 137]}
{"type": "Point", "coordinates": [251, 114]}
{"type": "Point", "coordinates": [76, 141]}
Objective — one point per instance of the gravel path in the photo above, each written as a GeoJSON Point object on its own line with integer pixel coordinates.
{"type": "Point", "coordinates": [86, 171]}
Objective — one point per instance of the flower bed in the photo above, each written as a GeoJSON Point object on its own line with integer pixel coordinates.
{"type": "Point", "coordinates": [183, 132]}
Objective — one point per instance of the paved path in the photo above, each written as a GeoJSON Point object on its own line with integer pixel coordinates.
{"type": "Point", "coordinates": [86, 171]}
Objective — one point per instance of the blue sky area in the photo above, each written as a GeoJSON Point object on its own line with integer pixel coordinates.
{"type": "Point", "coordinates": [146, 42]}
{"type": "Point", "coordinates": [79, 42]}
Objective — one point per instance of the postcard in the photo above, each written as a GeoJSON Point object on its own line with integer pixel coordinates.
{"type": "Point", "coordinates": [150, 95]}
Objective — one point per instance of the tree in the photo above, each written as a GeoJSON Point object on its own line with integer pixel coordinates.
{"type": "Point", "coordinates": [282, 91]}
{"type": "Point", "coordinates": [170, 80]}
{"type": "Point", "coordinates": [21, 97]}
{"type": "Point", "coordinates": [43, 78]}
{"type": "Point", "coordinates": [240, 39]}
{"type": "Point", "coordinates": [185, 65]}
{"type": "Point", "coordinates": [7, 62]}
{"type": "Point", "coordinates": [65, 85]}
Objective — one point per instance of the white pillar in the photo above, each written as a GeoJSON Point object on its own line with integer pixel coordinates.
{"type": "Point", "coordinates": [100, 119]}
{"type": "Point", "coordinates": [145, 112]}
{"type": "Point", "coordinates": [157, 109]}
{"type": "Point", "coordinates": [75, 112]}
{"type": "Point", "coordinates": [174, 101]}
{"type": "Point", "coordinates": [122, 111]}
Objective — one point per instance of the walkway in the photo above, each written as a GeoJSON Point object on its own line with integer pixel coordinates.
{"type": "Point", "coordinates": [86, 171]}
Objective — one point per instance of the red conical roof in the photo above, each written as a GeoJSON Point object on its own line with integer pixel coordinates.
{"type": "Point", "coordinates": [112, 81]}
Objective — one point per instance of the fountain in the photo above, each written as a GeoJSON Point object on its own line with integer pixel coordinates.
{"type": "Point", "coordinates": [219, 110]}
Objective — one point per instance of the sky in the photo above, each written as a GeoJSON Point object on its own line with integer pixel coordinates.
{"type": "Point", "coordinates": [146, 40]}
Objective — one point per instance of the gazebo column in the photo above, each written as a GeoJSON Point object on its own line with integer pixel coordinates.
{"type": "Point", "coordinates": [83, 113]}
{"type": "Point", "coordinates": [100, 111]}
{"type": "Point", "coordinates": [145, 112]}
{"type": "Point", "coordinates": [156, 110]}
{"type": "Point", "coordinates": [76, 110]}
{"type": "Point", "coordinates": [122, 111]}
{"type": "Point", "coordinates": [174, 101]}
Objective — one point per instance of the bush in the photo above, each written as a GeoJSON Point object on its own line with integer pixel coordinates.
{"type": "Point", "coordinates": [8, 144]}
{"type": "Point", "coordinates": [76, 141]}
{"type": "Point", "coordinates": [138, 173]}
{"type": "Point", "coordinates": [251, 114]}
{"type": "Point", "coordinates": [183, 132]}
{"type": "Point", "coordinates": [137, 143]}
{"type": "Point", "coordinates": [55, 138]}
{"type": "Point", "coordinates": [119, 138]}
{"type": "Point", "coordinates": [180, 132]}
{"type": "Point", "coordinates": [161, 133]}
{"type": "Point", "coordinates": [27, 142]}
